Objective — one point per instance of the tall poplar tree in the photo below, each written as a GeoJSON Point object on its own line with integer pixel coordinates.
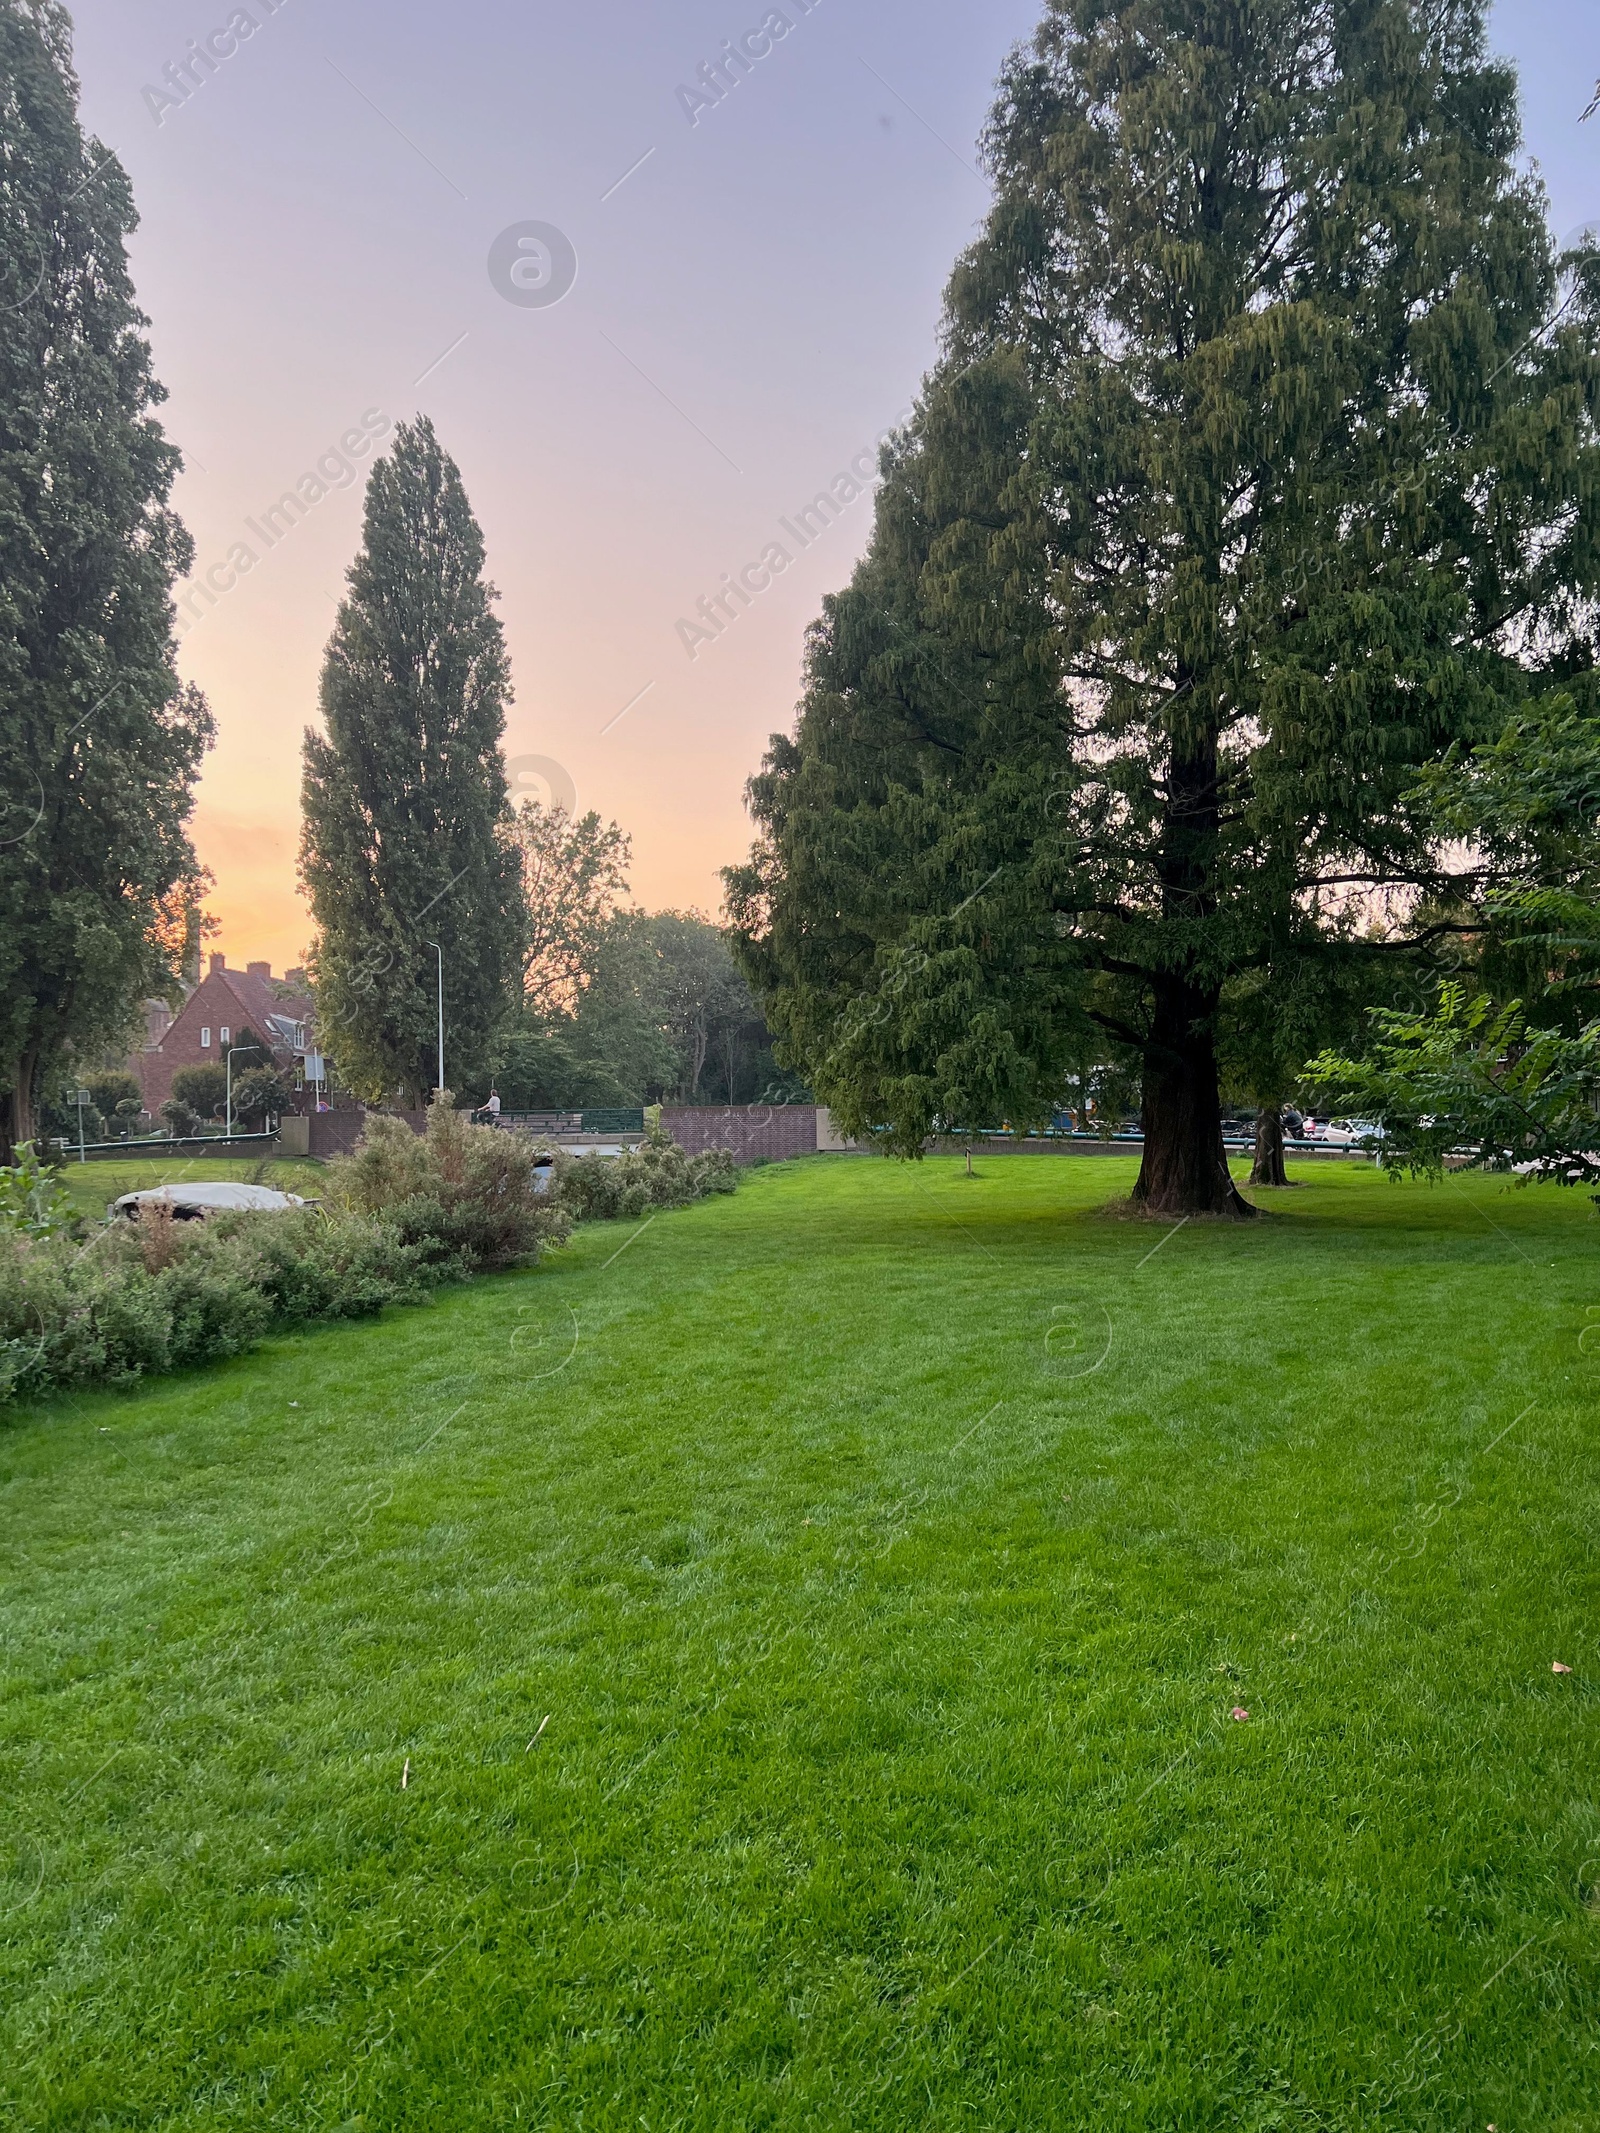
{"type": "Point", "coordinates": [407, 838]}
{"type": "Point", "coordinates": [1260, 468]}
{"type": "Point", "coordinates": [99, 744]}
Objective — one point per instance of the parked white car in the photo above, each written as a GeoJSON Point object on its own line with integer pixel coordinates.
{"type": "Point", "coordinates": [1343, 1132]}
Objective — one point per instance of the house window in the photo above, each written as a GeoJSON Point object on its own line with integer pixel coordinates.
{"type": "Point", "coordinates": [226, 1033]}
{"type": "Point", "coordinates": [205, 1040]}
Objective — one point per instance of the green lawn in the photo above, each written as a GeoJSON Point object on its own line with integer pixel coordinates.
{"type": "Point", "coordinates": [882, 1555]}
{"type": "Point", "coordinates": [94, 1185]}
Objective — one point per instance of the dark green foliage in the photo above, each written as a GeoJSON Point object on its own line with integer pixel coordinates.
{"type": "Point", "coordinates": [99, 744]}
{"type": "Point", "coordinates": [610, 1044]}
{"type": "Point", "coordinates": [573, 873]}
{"type": "Point", "coordinates": [1476, 1082]}
{"type": "Point", "coordinates": [201, 1089]}
{"type": "Point", "coordinates": [111, 1089]}
{"type": "Point", "coordinates": [408, 833]}
{"type": "Point", "coordinates": [260, 1093]}
{"type": "Point", "coordinates": [1261, 471]}
{"type": "Point", "coordinates": [75, 1122]}
{"type": "Point", "coordinates": [1529, 805]}
{"type": "Point", "coordinates": [540, 1067]}
{"type": "Point", "coordinates": [706, 1006]}
{"type": "Point", "coordinates": [1513, 1085]}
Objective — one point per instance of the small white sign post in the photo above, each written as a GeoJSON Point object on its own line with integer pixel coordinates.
{"type": "Point", "coordinates": [81, 1098]}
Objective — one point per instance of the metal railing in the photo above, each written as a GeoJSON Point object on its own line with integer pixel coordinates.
{"type": "Point", "coordinates": [163, 1143]}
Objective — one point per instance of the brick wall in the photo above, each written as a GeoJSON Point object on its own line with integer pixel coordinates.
{"type": "Point", "coordinates": [751, 1131]}
{"type": "Point", "coordinates": [325, 1133]}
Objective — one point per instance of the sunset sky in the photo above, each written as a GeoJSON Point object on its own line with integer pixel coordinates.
{"type": "Point", "coordinates": [756, 297]}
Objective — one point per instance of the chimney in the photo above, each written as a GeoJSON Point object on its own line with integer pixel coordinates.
{"type": "Point", "coordinates": [219, 964]}
{"type": "Point", "coordinates": [259, 970]}
{"type": "Point", "coordinates": [296, 978]}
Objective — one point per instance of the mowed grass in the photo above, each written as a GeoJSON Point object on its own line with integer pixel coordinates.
{"type": "Point", "coordinates": [873, 1562]}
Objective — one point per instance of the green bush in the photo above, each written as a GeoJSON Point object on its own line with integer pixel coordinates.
{"type": "Point", "coordinates": [311, 1268]}
{"type": "Point", "coordinates": [163, 1295]}
{"type": "Point", "coordinates": [213, 1303]}
{"type": "Point", "coordinates": [406, 1213]}
{"type": "Point", "coordinates": [464, 1197]}
{"type": "Point", "coordinates": [118, 1103]}
{"type": "Point", "coordinates": [99, 1315]}
{"type": "Point", "coordinates": [261, 1093]}
{"type": "Point", "coordinates": [33, 1200]}
{"type": "Point", "coordinates": [202, 1088]}
{"type": "Point", "coordinates": [598, 1188]}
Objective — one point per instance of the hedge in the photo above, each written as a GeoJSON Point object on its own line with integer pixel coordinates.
{"type": "Point", "coordinates": [403, 1214]}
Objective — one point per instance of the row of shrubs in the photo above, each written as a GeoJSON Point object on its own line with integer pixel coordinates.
{"type": "Point", "coordinates": [402, 1215]}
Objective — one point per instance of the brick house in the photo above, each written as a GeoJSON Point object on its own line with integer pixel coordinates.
{"type": "Point", "coordinates": [225, 1001]}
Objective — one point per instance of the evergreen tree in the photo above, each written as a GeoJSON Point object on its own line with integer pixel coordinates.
{"type": "Point", "coordinates": [407, 837]}
{"type": "Point", "coordinates": [99, 744]}
{"type": "Point", "coordinates": [1260, 469]}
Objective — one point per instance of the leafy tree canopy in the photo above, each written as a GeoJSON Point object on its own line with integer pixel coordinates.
{"type": "Point", "coordinates": [1503, 1085]}
{"type": "Point", "coordinates": [660, 1005]}
{"type": "Point", "coordinates": [574, 874]}
{"type": "Point", "coordinates": [203, 1089]}
{"type": "Point", "coordinates": [1474, 1081]}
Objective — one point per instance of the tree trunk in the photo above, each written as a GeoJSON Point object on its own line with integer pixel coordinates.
{"type": "Point", "coordinates": [1268, 1166]}
{"type": "Point", "coordinates": [1185, 1170]}
{"type": "Point", "coordinates": [20, 1123]}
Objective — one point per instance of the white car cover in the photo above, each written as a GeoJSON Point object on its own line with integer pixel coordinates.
{"type": "Point", "coordinates": [224, 1197]}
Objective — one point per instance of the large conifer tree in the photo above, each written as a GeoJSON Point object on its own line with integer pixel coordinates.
{"type": "Point", "coordinates": [1260, 468]}
{"type": "Point", "coordinates": [99, 745]}
{"type": "Point", "coordinates": [407, 836]}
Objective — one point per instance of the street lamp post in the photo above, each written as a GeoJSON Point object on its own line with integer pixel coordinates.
{"type": "Point", "coordinates": [439, 952]}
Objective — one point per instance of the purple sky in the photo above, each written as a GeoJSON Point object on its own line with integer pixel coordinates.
{"type": "Point", "coordinates": [754, 303]}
